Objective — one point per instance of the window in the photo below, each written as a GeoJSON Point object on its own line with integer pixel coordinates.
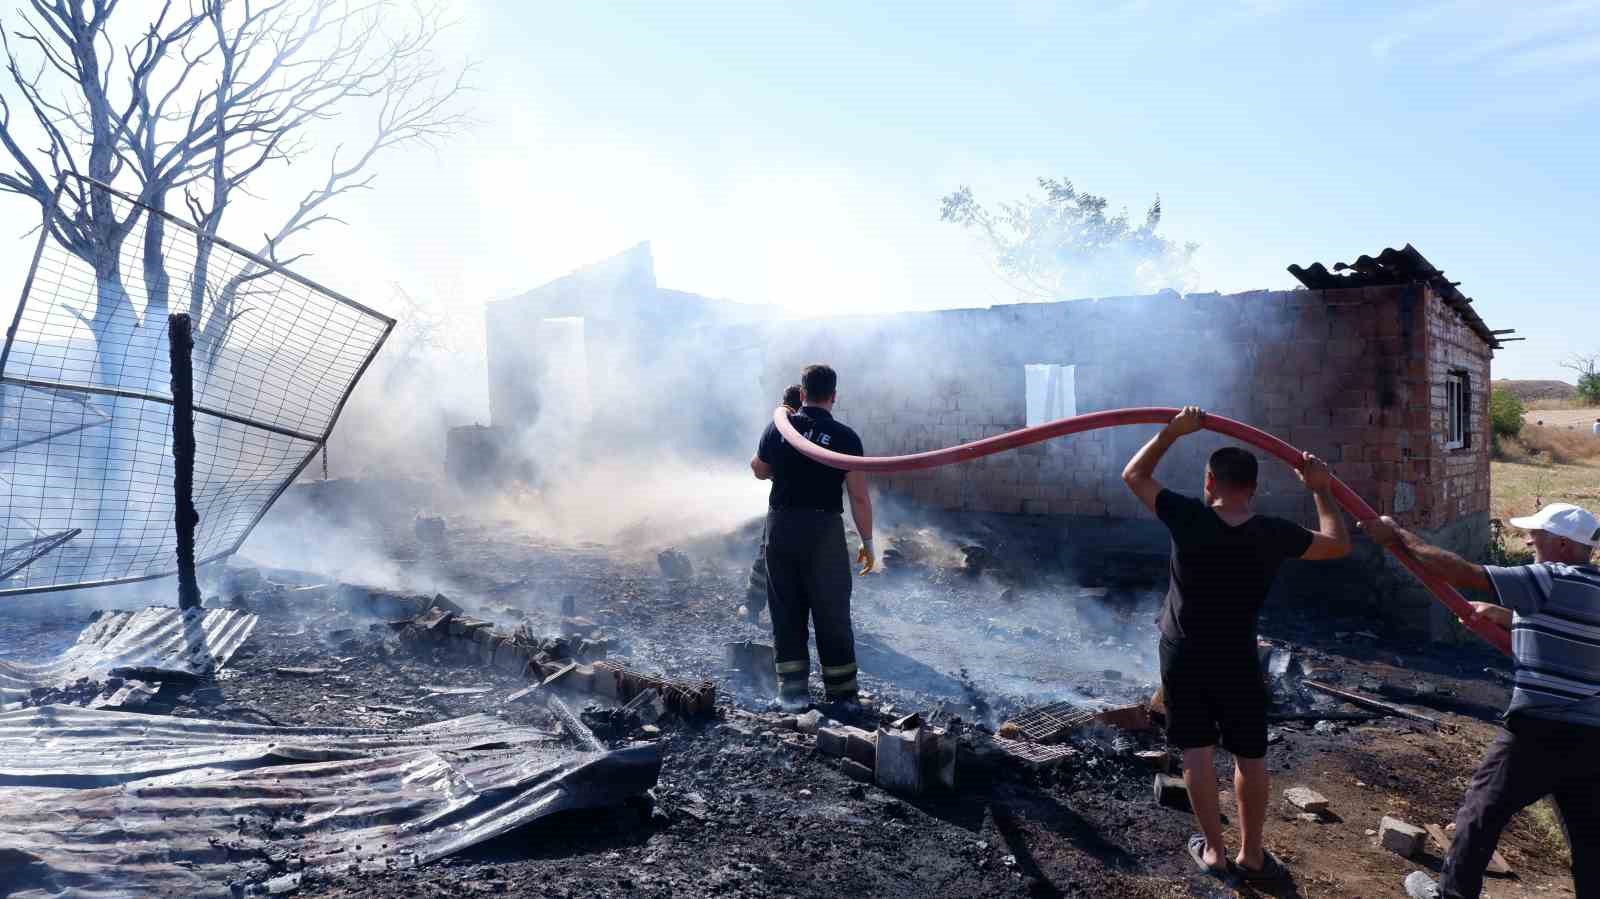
{"type": "Point", "coordinates": [1052, 392]}
{"type": "Point", "coordinates": [1458, 411]}
{"type": "Point", "coordinates": [562, 381]}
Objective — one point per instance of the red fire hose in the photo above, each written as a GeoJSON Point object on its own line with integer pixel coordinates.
{"type": "Point", "coordinates": [1497, 636]}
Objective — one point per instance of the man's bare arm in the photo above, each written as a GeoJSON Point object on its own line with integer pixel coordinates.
{"type": "Point", "coordinates": [760, 469]}
{"type": "Point", "coordinates": [1453, 569]}
{"type": "Point", "coordinates": [1139, 474]}
{"type": "Point", "coordinates": [861, 512]}
{"type": "Point", "coordinates": [1332, 538]}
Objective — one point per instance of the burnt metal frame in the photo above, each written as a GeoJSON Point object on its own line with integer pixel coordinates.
{"type": "Point", "coordinates": [105, 419]}
{"type": "Point", "coordinates": [317, 442]}
{"type": "Point", "coordinates": [45, 545]}
{"type": "Point", "coordinates": [1051, 723]}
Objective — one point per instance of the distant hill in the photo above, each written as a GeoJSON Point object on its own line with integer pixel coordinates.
{"type": "Point", "coordinates": [1529, 391]}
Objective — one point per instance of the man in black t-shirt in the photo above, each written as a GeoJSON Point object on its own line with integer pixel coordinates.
{"type": "Point", "coordinates": [1224, 558]}
{"type": "Point", "coordinates": [808, 564]}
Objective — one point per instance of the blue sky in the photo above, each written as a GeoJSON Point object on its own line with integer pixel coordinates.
{"type": "Point", "coordinates": [795, 153]}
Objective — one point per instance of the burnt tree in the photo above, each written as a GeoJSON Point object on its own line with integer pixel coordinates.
{"type": "Point", "coordinates": [198, 102]}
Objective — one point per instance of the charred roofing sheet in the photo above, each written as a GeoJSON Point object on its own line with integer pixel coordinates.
{"type": "Point", "coordinates": [196, 641]}
{"type": "Point", "coordinates": [1392, 267]}
{"type": "Point", "coordinates": [200, 828]}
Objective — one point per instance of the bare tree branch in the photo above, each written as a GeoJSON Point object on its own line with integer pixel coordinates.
{"type": "Point", "coordinates": [205, 97]}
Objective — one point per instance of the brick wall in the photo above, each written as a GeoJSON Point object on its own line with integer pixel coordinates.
{"type": "Point", "coordinates": [1355, 376]}
{"type": "Point", "coordinates": [1345, 374]}
{"type": "Point", "coordinates": [1458, 482]}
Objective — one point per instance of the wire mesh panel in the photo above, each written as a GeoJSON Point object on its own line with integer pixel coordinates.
{"type": "Point", "coordinates": [86, 404]}
{"type": "Point", "coordinates": [1050, 723]}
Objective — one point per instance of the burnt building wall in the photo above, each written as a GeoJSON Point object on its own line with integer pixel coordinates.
{"type": "Point", "coordinates": [1356, 376]}
{"type": "Point", "coordinates": [584, 360]}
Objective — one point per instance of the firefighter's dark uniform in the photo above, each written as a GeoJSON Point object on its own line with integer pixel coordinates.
{"type": "Point", "coordinates": [808, 564]}
{"type": "Point", "coordinates": [755, 588]}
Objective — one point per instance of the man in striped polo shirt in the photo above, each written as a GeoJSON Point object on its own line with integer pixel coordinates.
{"type": "Point", "coordinates": [1552, 742]}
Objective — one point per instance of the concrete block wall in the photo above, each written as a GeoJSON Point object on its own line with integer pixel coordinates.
{"type": "Point", "coordinates": [1458, 486]}
{"type": "Point", "coordinates": [1355, 376]}
{"type": "Point", "coordinates": [1346, 374]}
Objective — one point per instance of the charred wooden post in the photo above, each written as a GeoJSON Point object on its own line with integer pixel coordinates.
{"type": "Point", "coordinates": [180, 339]}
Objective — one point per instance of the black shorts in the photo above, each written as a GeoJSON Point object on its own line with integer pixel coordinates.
{"type": "Point", "coordinates": [1214, 697]}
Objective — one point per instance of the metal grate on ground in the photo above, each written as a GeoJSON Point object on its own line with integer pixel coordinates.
{"type": "Point", "coordinates": [86, 405]}
{"type": "Point", "coordinates": [1050, 723]}
{"type": "Point", "coordinates": [1034, 755]}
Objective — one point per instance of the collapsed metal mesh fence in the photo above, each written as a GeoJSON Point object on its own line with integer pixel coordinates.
{"type": "Point", "coordinates": [86, 470]}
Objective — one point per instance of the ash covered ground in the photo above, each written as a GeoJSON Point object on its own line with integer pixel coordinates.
{"type": "Point", "coordinates": [745, 806]}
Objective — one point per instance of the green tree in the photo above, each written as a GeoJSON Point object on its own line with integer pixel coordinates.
{"type": "Point", "coordinates": [1063, 244]}
{"type": "Point", "coordinates": [1588, 369]}
{"type": "Point", "coordinates": [1505, 412]}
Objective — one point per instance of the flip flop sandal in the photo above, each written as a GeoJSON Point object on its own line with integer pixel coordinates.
{"type": "Point", "coordinates": [1197, 851]}
{"type": "Point", "coordinates": [1271, 870]}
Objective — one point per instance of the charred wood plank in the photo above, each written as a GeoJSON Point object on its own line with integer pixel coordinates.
{"type": "Point", "coordinates": [1368, 702]}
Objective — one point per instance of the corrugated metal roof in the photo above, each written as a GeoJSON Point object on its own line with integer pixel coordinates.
{"type": "Point", "coordinates": [1391, 267]}
{"type": "Point", "coordinates": [199, 827]}
{"type": "Point", "coordinates": [63, 745]}
{"type": "Point", "coordinates": [198, 641]}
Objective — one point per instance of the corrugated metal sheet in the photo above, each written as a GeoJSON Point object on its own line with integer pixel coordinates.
{"type": "Point", "coordinates": [195, 831]}
{"type": "Point", "coordinates": [63, 745]}
{"type": "Point", "coordinates": [1391, 267]}
{"type": "Point", "coordinates": [198, 641]}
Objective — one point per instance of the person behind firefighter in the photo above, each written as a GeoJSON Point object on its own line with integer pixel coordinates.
{"type": "Point", "coordinates": [1224, 559]}
{"type": "Point", "coordinates": [808, 564]}
{"type": "Point", "coordinates": [1551, 743]}
{"type": "Point", "coordinates": [755, 593]}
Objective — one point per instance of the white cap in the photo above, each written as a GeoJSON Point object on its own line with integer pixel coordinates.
{"type": "Point", "coordinates": [1563, 520]}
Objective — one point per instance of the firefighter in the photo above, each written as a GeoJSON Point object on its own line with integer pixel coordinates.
{"type": "Point", "coordinates": [808, 563]}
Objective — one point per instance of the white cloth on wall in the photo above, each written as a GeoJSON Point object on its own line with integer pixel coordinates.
{"type": "Point", "coordinates": [1052, 392]}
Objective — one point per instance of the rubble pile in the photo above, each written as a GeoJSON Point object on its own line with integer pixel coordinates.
{"type": "Point", "coordinates": [550, 661]}
{"type": "Point", "coordinates": [1029, 775]}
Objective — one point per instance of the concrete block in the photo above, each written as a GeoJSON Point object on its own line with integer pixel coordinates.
{"type": "Point", "coordinates": [1401, 838]}
{"type": "Point", "coordinates": [900, 760]}
{"type": "Point", "coordinates": [1306, 800]}
{"type": "Point", "coordinates": [755, 659]}
{"type": "Point", "coordinates": [1171, 792]}
{"type": "Point", "coordinates": [831, 741]}
{"type": "Point", "coordinates": [943, 759]}
{"type": "Point", "coordinates": [861, 746]}
{"type": "Point", "coordinates": [1156, 759]}
{"type": "Point", "coordinates": [511, 658]}
{"type": "Point", "coordinates": [605, 682]}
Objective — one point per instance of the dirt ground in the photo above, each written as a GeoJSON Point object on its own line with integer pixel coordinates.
{"type": "Point", "coordinates": [746, 809]}
{"type": "Point", "coordinates": [1582, 418]}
